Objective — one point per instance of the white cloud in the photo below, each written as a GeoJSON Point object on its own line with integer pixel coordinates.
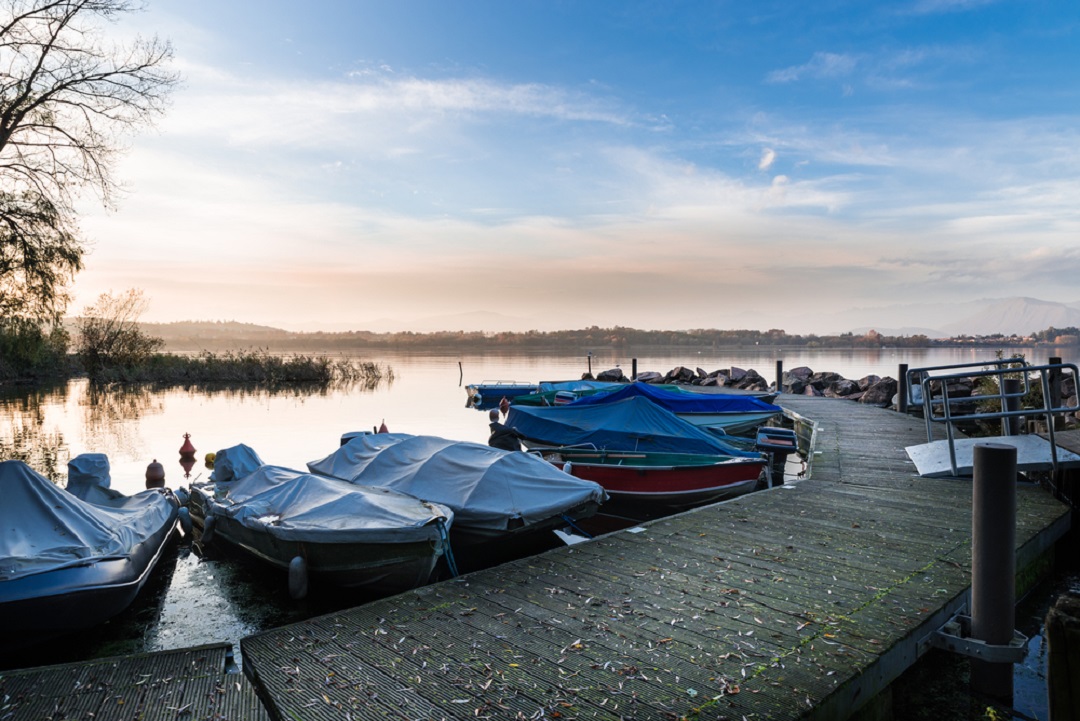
{"type": "Point", "coordinates": [768, 156]}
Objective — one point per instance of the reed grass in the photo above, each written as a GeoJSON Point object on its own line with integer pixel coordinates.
{"type": "Point", "coordinates": [253, 366]}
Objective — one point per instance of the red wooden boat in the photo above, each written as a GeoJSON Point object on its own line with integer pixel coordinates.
{"type": "Point", "coordinates": [676, 480]}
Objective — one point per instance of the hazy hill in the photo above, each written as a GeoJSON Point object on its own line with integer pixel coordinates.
{"type": "Point", "coordinates": [1016, 315]}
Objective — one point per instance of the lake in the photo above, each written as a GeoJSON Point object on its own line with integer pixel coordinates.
{"type": "Point", "coordinates": [197, 599]}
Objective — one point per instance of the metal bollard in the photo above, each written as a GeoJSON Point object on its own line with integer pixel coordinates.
{"type": "Point", "coordinates": [993, 563]}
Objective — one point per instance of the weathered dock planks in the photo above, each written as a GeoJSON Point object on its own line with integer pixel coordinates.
{"type": "Point", "coordinates": [190, 684]}
{"type": "Point", "coordinates": [800, 602]}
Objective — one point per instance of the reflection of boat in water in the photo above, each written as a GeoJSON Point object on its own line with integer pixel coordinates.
{"type": "Point", "coordinates": [497, 496]}
{"type": "Point", "coordinates": [335, 532]}
{"type": "Point", "coordinates": [72, 559]}
{"type": "Point", "coordinates": [487, 394]}
{"type": "Point", "coordinates": [671, 479]}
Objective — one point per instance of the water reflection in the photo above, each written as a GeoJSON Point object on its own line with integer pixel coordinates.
{"type": "Point", "coordinates": [27, 433]}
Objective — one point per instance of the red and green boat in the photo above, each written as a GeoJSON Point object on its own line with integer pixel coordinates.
{"type": "Point", "coordinates": [676, 480]}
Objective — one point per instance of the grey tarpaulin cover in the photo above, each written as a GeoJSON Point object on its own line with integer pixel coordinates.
{"type": "Point", "coordinates": [485, 486]}
{"type": "Point", "coordinates": [297, 506]}
{"type": "Point", "coordinates": [234, 462]}
{"type": "Point", "coordinates": [43, 527]}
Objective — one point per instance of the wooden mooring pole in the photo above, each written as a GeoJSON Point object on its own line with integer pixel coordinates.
{"type": "Point", "coordinates": [901, 389]}
{"type": "Point", "coordinates": [993, 563]}
{"type": "Point", "coordinates": [779, 376]}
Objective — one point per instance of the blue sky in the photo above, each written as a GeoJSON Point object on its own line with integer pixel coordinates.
{"type": "Point", "coordinates": [649, 164]}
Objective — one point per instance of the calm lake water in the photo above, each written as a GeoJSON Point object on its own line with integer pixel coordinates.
{"type": "Point", "coordinates": [198, 599]}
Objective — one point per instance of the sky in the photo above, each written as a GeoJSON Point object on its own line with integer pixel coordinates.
{"type": "Point", "coordinates": [352, 164]}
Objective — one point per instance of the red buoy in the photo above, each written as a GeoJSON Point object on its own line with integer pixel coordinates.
{"type": "Point", "coordinates": [155, 475]}
{"type": "Point", "coordinates": [187, 449]}
{"type": "Point", "coordinates": [383, 428]}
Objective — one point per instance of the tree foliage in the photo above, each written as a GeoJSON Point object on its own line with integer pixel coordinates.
{"type": "Point", "coordinates": [109, 336]}
{"type": "Point", "coordinates": [68, 100]}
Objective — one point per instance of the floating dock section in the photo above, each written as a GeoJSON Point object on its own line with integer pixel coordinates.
{"type": "Point", "coordinates": [804, 601]}
{"type": "Point", "coordinates": [191, 683]}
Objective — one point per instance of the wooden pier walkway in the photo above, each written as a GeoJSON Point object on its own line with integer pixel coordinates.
{"type": "Point", "coordinates": [800, 602]}
{"type": "Point", "coordinates": [191, 684]}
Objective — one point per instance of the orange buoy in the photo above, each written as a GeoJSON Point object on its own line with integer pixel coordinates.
{"type": "Point", "coordinates": [187, 449]}
{"type": "Point", "coordinates": [155, 475]}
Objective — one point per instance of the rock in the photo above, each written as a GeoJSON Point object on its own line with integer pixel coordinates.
{"type": "Point", "coordinates": [867, 381]}
{"type": "Point", "coordinates": [810, 390]}
{"type": "Point", "coordinates": [615, 375]}
{"type": "Point", "coordinates": [842, 388]}
{"type": "Point", "coordinates": [736, 374]}
{"type": "Point", "coordinates": [825, 378]}
{"type": "Point", "coordinates": [679, 375]}
{"type": "Point", "coordinates": [650, 377]}
{"type": "Point", "coordinates": [702, 375]}
{"type": "Point", "coordinates": [880, 393]}
{"type": "Point", "coordinates": [796, 386]}
{"type": "Point", "coordinates": [802, 373]}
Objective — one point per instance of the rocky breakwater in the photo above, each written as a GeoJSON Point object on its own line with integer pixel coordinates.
{"type": "Point", "coordinates": [800, 381]}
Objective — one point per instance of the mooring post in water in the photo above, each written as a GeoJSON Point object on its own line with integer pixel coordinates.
{"type": "Point", "coordinates": [461, 373]}
{"type": "Point", "coordinates": [993, 563]}
{"type": "Point", "coordinates": [1054, 381]}
{"type": "Point", "coordinates": [590, 364]}
{"type": "Point", "coordinates": [901, 389]}
{"type": "Point", "coordinates": [633, 369]}
{"type": "Point", "coordinates": [1010, 425]}
{"type": "Point", "coordinates": [779, 376]}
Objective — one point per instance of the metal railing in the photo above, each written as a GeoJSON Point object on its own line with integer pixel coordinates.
{"type": "Point", "coordinates": [1013, 377]}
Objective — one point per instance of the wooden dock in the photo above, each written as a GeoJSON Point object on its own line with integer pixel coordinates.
{"type": "Point", "coordinates": [800, 602]}
{"type": "Point", "coordinates": [191, 684]}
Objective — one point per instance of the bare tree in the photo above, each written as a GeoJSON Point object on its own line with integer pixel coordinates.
{"type": "Point", "coordinates": [109, 335]}
{"type": "Point", "coordinates": [68, 101]}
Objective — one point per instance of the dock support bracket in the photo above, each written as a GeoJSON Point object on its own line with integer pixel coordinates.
{"type": "Point", "coordinates": [955, 636]}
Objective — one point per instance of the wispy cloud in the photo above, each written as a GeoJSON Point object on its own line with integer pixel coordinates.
{"type": "Point", "coordinates": [928, 7]}
{"type": "Point", "coordinates": [823, 65]}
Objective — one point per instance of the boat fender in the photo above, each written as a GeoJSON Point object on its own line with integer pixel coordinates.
{"type": "Point", "coordinates": [568, 468]}
{"type": "Point", "coordinates": [208, 530]}
{"type": "Point", "coordinates": [185, 521]}
{"type": "Point", "coordinates": [298, 578]}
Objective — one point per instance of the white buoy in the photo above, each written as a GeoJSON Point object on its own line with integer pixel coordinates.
{"type": "Point", "coordinates": [298, 578]}
{"type": "Point", "coordinates": [208, 530]}
{"type": "Point", "coordinates": [185, 521]}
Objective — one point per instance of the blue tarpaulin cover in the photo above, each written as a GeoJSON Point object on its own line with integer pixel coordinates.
{"type": "Point", "coordinates": [682, 401]}
{"type": "Point", "coordinates": [631, 424]}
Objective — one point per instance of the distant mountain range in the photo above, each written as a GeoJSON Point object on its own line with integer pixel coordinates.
{"type": "Point", "coordinates": [990, 316]}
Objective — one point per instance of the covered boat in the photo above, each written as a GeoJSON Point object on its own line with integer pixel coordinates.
{"type": "Point", "coordinates": [675, 480]}
{"type": "Point", "coordinates": [631, 424]}
{"type": "Point", "coordinates": [338, 533]}
{"type": "Point", "coordinates": [71, 561]}
{"type": "Point", "coordinates": [487, 394]}
{"type": "Point", "coordinates": [496, 495]}
{"type": "Point", "coordinates": [734, 414]}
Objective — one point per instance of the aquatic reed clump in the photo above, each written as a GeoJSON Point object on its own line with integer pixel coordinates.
{"type": "Point", "coordinates": [257, 366]}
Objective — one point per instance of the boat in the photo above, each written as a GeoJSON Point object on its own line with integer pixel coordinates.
{"type": "Point", "coordinates": [487, 394]}
{"type": "Point", "coordinates": [630, 424]}
{"type": "Point", "coordinates": [675, 480]}
{"type": "Point", "coordinates": [730, 414]}
{"type": "Point", "coordinates": [498, 497]}
{"type": "Point", "coordinates": [554, 393]}
{"type": "Point", "coordinates": [331, 532]}
{"type": "Point", "coordinates": [71, 559]}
